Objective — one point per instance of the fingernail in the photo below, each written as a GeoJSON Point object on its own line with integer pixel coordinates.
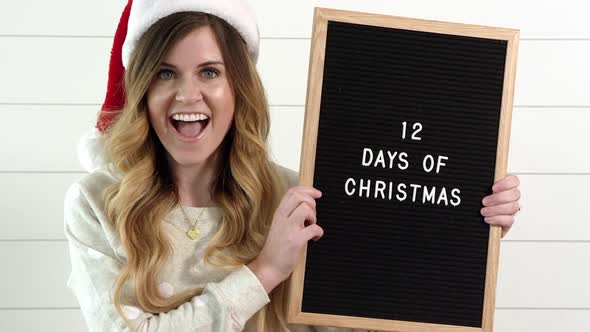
{"type": "Point", "coordinates": [483, 211]}
{"type": "Point", "coordinates": [486, 219]}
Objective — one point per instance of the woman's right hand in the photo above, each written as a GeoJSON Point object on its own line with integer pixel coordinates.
{"type": "Point", "coordinates": [294, 223]}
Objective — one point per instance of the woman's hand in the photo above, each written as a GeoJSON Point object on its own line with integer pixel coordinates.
{"type": "Point", "coordinates": [503, 204]}
{"type": "Point", "coordinates": [293, 224]}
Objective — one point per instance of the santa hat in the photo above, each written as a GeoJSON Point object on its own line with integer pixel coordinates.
{"type": "Point", "coordinates": [136, 19]}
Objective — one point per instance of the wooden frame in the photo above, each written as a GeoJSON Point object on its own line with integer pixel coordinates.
{"type": "Point", "coordinates": [308, 152]}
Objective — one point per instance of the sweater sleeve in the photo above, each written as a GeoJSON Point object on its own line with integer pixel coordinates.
{"type": "Point", "coordinates": [223, 306]}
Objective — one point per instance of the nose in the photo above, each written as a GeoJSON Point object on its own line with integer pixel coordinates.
{"type": "Point", "coordinates": [189, 92]}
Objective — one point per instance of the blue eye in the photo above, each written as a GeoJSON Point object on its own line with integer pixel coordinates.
{"type": "Point", "coordinates": [165, 74]}
{"type": "Point", "coordinates": [208, 70]}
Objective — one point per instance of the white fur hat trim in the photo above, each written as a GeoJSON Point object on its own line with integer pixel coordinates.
{"type": "Point", "coordinates": [90, 150]}
{"type": "Point", "coordinates": [144, 13]}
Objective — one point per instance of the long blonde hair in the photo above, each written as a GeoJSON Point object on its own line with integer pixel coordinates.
{"type": "Point", "coordinates": [247, 187]}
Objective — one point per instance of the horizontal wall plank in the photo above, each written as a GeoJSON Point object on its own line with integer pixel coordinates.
{"type": "Point", "coordinates": [545, 67]}
{"type": "Point", "coordinates": [66, 17]}
{"type": "Point", "coordinates": [71, 71]}
{"type": "Point", "coordinates": [536, 222]}
{"type": "Point", "coordinates": [552, 209]}
{"type": "Point", "coordinates": [541, 320]}
{"type": "Point", "coordinates": [70, 17]}
{"type": "Point", "coordinates": [50, 140]}
{"type": "Point", "coordinates": [62, 320]}
{"type": "Point", "coordinates": [502, 13]}
{"type": "Point", "coordinates": [71, 320]}
{"type": "Point", "coordinates": [552, 140]}
{"type": "Point", "coordinates": [544, 275]}
{"type": "Point", "coordinates": [35, 275]}
{"type": "Point", "coordinates": [531, 275]}
{"type": "Point", "coordinates": [549, 73]}
{"type": "Point", "coordinates": [32, 205]}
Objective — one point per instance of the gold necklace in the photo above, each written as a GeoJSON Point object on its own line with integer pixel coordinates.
{"type": "Point", "coordinates": [193, 232]}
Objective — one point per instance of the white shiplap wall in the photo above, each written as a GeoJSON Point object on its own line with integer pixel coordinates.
{"type": "Point", "coordinates": [53, 76]}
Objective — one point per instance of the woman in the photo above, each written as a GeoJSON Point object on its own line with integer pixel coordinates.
{"type": "Point", "coordinates": [186, 225]}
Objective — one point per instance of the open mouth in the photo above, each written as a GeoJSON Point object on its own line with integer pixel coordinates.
{"type": "Point", "coordinates": [189, 129]}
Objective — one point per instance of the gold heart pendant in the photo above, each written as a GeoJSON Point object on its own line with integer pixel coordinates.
{"type": "Point", "coordinates": [193, 234]}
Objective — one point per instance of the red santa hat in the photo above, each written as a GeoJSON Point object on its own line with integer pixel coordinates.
{"type": "Point", "coordinates": [135, 20]}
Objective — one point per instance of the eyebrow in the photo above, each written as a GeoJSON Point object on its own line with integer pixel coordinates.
{"type": "Point", "coordinates": [208, 63]}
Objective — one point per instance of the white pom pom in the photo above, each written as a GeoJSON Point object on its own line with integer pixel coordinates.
{"type": "Point", "coordinates": [90, 150]}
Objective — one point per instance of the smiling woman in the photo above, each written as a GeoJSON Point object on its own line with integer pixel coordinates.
{"type": "Point", "coordinates": [182, 201]}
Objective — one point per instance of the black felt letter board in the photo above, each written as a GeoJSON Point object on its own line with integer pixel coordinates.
{"type": "Point", "coordinates": [391, 98]}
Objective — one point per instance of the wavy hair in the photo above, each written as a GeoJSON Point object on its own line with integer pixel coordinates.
{"type": "Point", "coordinates": [247, 187]}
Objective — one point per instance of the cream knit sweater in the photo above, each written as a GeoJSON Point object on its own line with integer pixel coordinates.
{"type": "Point", "coordinates": [229, 300]}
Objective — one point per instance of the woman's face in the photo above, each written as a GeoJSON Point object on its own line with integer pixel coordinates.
{"type": "Point", "coordinates": [191, 81]}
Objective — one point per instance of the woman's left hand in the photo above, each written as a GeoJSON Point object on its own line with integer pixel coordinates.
{"type": "Point", "coordinates": [503, 204]}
